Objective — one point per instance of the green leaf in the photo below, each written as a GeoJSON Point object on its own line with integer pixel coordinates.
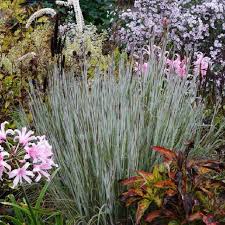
{"type": "Point", "coordinates": [173, 222]}
{"type": "Point", "coordinates": [59, 220]}
{"type": "Point", "coordinates": [43, 191]}
{"type": "Point", "coordinates": [11, 219]}
{"type": "Point", "coordinates": [17, 207]}
{"type": "Point", "coordinates": [17, 211]}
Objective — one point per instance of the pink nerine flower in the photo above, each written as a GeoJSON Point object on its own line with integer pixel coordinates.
{"type": "Point", "coordinates": [41, 170]}
{"type": "Point", "coordinates": [3, 164]}
{"type": "Point", "coordinates": [201, 64]}
{"type": "Point", "coordinates": [31, 152]}
{"type": "Point", "coordinates": [4, 133]}
{"type": "Point", "coordinates": [44, 149]}
{"type": "Point", "coordinates": [23, 136]}
{"type": "Point", "coordinates": [20, 174]}
{"type": "Point", "coordinates": [40, 152]}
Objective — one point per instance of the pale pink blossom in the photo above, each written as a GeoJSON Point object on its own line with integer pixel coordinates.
{"type": "Point", "coordinates": [24, 136]}
{"type": "Point", "coordinates": [21, 174]}
{"type": "Point", "coordinates": [31, 152]}
{"type": "Point", "coordinates": [41, 170]}
{"type": "Point", "coordinates": [39, 152]}
{"type": "Point", "coordinates": [3, 164]}
{"type": "Point", "coordinates": [44, 150]}
{"type": "Point", "coordinates": [4, 133]}
{"type": "Point", "coordinates": [201, 64]}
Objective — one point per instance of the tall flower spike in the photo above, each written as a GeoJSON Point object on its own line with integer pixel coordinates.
{"type": "Point", "coordinates": [78, 14]}
{"type": "Point", "coordinates": [62, 3]}
{"type": "Point", "coordinates": [30, 55]}
{"type": "Point", "coordinates": [39, 13]}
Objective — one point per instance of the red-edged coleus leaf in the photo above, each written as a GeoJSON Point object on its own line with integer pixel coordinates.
{"type": "Point", "coordinates": [145, 175]}
{"type": "Point", "coordinates": [207, 192]}
{"type": "Point", "coordinates": [172, 175]}
{"type": "Point", "coordinates": [131, 201]}
{"type": "Point", "coordinates": [165, 184]}
{"type": "Point", "coordinates": [153, 215]}
{"type": "Point", "coordinates": [164, 213]}
{"type": "Point", "coordinates": [131, 193]}
{"type": "Point", "coordinates": [170, 192]}
{"type": "Point", "coordinates": [168, 154]}
{"type": "Point", "coordinates": [205, 166]}
{"type": "Point", "coordinates": [132, 181]}
{"type": "Point", "coordinates": [142, 207]}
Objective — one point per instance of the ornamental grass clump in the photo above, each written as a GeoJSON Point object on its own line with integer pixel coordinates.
{"type": "Point", "coordinates": [101, 132]}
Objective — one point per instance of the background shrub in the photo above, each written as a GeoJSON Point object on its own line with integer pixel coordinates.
{"type": "Point", "coordinates": [24, 54]}
{"type": "Point", "coordinates": [191, 25]}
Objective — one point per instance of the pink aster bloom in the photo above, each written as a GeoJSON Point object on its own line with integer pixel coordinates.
{"type": "Point", "coordinates": [3, 164]}
{"type": "Point", "coordinates": [3, 132]}
{"type": "Point", "coordinates": [21, 174]}
{"type": "Point", "coordinates": [24, 136]}
{"type": "Point", "coordinates": [201, 64]}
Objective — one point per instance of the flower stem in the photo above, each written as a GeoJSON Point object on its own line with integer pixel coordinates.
{"type": "Point", "coordinates": [29, 206]}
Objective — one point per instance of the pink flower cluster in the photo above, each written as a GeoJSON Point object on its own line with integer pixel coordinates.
{"type": "Point", "coordinates": [200, 65]}
{"type": "Point", "coordinates": [23, 156]}
{"type": "Point", "coordinates": [179, 66]}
